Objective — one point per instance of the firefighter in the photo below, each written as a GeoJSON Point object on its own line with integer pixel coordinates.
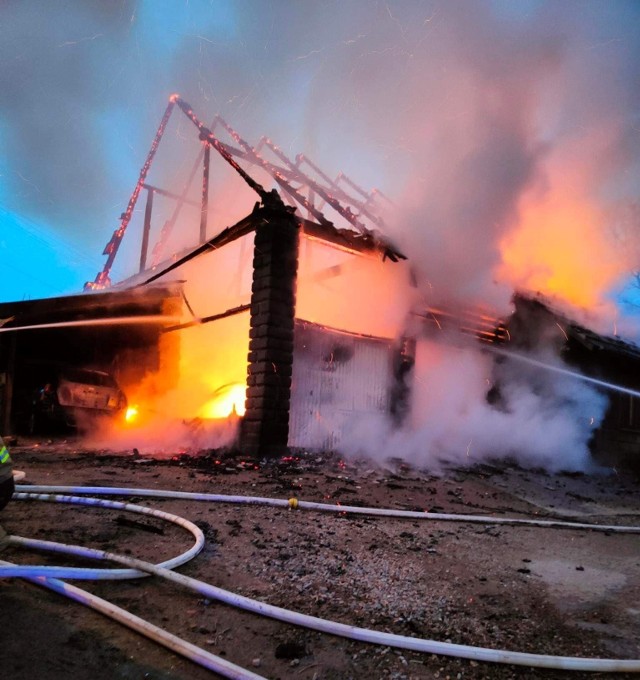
{"type": "Point", "coordinates": [6, 475]}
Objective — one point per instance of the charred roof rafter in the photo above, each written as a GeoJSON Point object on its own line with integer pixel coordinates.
{"type": "Point", "coordinates": [283, 176]}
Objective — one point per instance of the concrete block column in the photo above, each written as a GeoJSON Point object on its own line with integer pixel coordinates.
{"type": "Point", "coordinates": [265, 426]}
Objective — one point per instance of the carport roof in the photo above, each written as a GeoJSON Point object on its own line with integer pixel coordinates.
{"type": "Point", "coordinates": [136, 301]}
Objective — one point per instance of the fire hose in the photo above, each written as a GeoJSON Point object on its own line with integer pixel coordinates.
{"type": "Point", "coordinates": [48, 575]}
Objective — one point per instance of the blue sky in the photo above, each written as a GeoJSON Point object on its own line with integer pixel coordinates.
{"type": "Point", "coordinates": [38, 262]}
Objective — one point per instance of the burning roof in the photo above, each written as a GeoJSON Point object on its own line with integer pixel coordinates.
{"type": "Point", "coordinates": [361, 215]}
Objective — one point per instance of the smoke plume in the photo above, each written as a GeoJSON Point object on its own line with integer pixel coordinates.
{"type": "Point", "coordinates": [508, 134]}
{"type": "Point", "coordinates": [539, 420]}
{"type": "Point", "coordinates": [485, 118]}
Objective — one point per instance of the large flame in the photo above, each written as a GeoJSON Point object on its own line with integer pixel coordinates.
{"type": "Point", "coordinates": [561, 246]}
{"type": "Point", "coordinates": [197, 390]}
{"type": "Point", "coordinates": [227, 400]}
{"type": "Point", "coordinates": [132, 413]}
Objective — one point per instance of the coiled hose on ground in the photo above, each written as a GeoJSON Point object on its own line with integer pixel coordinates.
{"type": "Point", "coordinates": [49, 576]}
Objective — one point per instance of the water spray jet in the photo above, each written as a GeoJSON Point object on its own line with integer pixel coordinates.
{"type": "Point", "coordinates": [152, 319]}
{"type": "Point", "coordinates": [563, 371]}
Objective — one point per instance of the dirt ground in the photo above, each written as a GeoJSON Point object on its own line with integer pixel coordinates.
{"type": "Point", "coordinates": [547, 591]}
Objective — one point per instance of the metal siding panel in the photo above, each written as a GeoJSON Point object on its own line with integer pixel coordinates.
{"type": "Point", "coordinates": [336, 377]}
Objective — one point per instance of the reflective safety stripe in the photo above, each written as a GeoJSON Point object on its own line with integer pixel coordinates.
{"type": "Point", "coordinates": [4, 455]}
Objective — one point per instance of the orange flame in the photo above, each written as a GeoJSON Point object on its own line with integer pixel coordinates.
{"type": "Point", "coordinates": [227, 400]}
{"type": "Point", "coordinates": [566, 244]}
{"type": "Point", "coordinates": [131, 413]}
{"type": "Point", "coordinates": [560, 249]}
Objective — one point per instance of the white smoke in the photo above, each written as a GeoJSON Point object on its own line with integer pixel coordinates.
{"type": "Point", "coordinates": [468, 111]}
{"type": "Point", "coordinates": [456, 107]}
{"type": "Point", "coordinates": [536, 418]}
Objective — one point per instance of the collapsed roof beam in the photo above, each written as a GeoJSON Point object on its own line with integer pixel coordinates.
{"type": "Point", "coordinates": [102, 279]}
{"type": "Point", "coordinates": [245, 226]}
{"type": "Point", "coordinates": [278, 176]}
{"type": "Point", "coordinates": [282, 176]}
{"type": "Point", "coordinates": [276, 173]}
{"type": "Point", "coordinates": [207, 136]}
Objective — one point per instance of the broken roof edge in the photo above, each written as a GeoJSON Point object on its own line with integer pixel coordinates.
{"type": "Point", "coordinates": [590, 339]}
{"type": "Point", "coordinates": [498, 329]}
{"type": "Point", "coordinates": [89, 305]}
{"type": "Point", "coordinates": [351, 240]}
{"type": "Point", "coordinates": [341, 331]}
{"type": "Point", "coordinates": [343, 238]}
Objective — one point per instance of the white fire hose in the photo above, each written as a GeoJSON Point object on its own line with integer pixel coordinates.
{"type": "Point", "coordinates": [47, 575]}
{"type": "Point", "coordinates": [173, 642]}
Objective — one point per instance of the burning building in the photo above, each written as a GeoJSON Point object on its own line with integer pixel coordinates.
{"type": "Point", "coordinates": [608, 362]}
{"type": "Point", "coordinates": [292, 324]}
{"type": "Point", "coordinates": [299, 301]}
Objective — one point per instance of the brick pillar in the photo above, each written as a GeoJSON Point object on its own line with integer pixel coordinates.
{"type": "Point", "coordinates": [265, 426]}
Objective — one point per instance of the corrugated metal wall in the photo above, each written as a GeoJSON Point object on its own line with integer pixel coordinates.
{"type": "Point", "coordinates": [336, 377]}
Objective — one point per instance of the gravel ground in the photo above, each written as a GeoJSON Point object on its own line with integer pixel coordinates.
{"type": "Point", "coordinates": [546, 591]}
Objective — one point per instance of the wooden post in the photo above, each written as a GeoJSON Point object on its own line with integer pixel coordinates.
{"type": "Point", "coordinates": [146, 230]}
{"type": "Point", "coordinates": [204, 211]}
